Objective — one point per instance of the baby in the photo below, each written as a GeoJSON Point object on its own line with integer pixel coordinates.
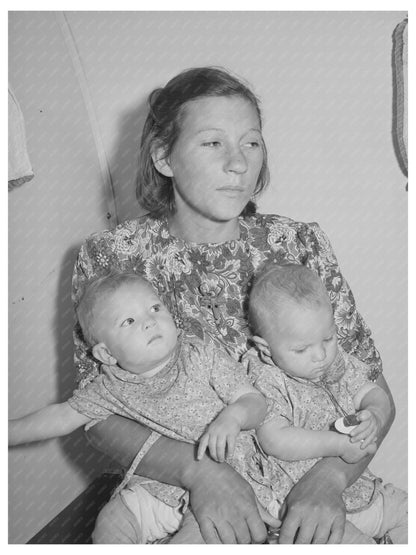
{"type": "Point", "coordinates": [189, 391]}
{"type": "Point", "coordinates": [313, 383]}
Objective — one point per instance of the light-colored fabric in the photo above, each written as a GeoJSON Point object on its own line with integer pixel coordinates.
{"type": "Point", "coordinates": [395, 514]}
{"type": "Point", "coordinates": [206, 285]}
{"type": "Point", "coordinates": [135, 516]}
{"type": "Point", "coordinates": [370, 519]}
{"type": "Point", "coordinates": [312, 406]}
{"type": "Point", "coordinates": [20, 169]}
{"type": "Point", "coordinates": [387, 515]}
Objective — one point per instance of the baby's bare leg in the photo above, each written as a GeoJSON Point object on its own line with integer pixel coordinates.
{"type": "Point", "coordinates": [189, 531]}
{"type": "Point", "coordinates": [353, 535]}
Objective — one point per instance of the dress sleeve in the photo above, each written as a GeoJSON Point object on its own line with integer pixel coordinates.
{"type": "Point", "coordinates": [270, 381]}
{"type": "Point", "coordinates": [91, 401]}
{"type": "Point", "coordinates": [353, 333]}
{"type": "Point", "coordinates": [226, 375]}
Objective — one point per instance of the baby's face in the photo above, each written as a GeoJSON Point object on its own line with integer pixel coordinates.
{"type": "Point", "coordinates": [136, 327]}
{"type": "Point", "coordinates": [303, 339]}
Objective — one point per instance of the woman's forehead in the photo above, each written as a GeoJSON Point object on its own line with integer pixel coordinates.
{"type": "Point", "coordinates": [219, 112]}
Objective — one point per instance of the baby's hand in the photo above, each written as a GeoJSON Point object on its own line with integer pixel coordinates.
{"type": "Point", "coordinates": [354, 452]}
{"type": "Point", "coordinates": [368, 429]}
{"type": "Point", "coordinates": [219, 438]}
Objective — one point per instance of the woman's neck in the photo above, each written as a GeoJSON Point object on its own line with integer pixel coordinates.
{"type": "Point", "coordinates": [205, 231]}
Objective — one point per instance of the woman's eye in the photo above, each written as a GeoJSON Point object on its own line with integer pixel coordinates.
{"type": "Point", "coordinates": [211, 143]}
{"type": "Point", "coordinates": [252, 144]}
{"type": "Point", "coordinates": [128, 322]}
{"type": "Point", "coordinates": [156, 308]}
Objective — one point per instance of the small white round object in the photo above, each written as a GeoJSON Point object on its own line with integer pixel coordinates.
{"type": "Point", "coordinates": [346, 424]}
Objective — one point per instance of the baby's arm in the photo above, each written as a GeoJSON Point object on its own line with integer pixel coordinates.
{"type": "Point", "coordinates": [291, 443]}
{"type": "Point", "coordinates": [246, 411]}
{"type": "Point", "coordinates": [52, 421]}
{"type": "Point", "coordinates": [374, 413]}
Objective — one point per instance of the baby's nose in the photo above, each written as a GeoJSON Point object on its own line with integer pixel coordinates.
{"type": "Point", "coordinates": [149, 323]}
{"type": "Point", "coordinates": [319, 353]}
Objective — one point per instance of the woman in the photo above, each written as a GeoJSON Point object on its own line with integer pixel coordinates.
{"type": "Point", "coordinates": [202, 163]}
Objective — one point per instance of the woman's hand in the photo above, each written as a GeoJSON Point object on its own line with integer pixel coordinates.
{"type": "Point", "coordinates": [313, 512]}
{"type": "Point", "coordinates": [225, 506]}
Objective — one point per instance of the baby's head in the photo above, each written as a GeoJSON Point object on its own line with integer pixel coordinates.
{"type": "Point", "coordinates": [292, 320]}
{"type": "Point", "coordinates": [125, 322]}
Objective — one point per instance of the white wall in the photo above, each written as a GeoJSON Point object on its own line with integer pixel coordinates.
{"type": "Point", "coordinates": [326, 88]}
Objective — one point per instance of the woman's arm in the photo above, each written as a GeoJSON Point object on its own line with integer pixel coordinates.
{"type": "Point", "coordinates": [315, 512]}
{"type": "Point", "coordinates": [374, 412]}
{"type": "Point", "coordinates": [222, 501]}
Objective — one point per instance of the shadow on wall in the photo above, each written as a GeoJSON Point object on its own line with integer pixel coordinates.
{"type": "Point", "coordinates": [82, 456]}
{"type": "Point", "coordinates": [124, 160]}
{"type": "Point", "coordinates": [123, 167]}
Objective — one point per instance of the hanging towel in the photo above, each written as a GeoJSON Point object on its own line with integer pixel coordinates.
{"type": "Point", "coordinates": [400, 47]}
{"type": "Point", "coordinates": [20, 169]}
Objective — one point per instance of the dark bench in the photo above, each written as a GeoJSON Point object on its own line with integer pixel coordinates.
{"type": "Point", "coordinates": [76, 522]}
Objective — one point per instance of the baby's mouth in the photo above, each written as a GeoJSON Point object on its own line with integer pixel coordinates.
{"type": "Point", "coordinates": [154, 338]}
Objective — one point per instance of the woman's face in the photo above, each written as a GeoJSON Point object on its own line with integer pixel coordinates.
{"type": "Point", "coordinates": [216, 160]}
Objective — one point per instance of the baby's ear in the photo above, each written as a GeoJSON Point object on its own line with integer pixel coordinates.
{"type": "Point", "coordinates": [102, 353]}
{"type": "Point", "coordinates": [262, 346]}
{"type": "Point", "coordinates": [161, 161]}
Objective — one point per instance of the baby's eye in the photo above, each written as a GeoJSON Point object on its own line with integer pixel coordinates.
{"type": "Point", "coordinates": [127, 322]}
{"type": "Point", "coordinates": [329, 339]}
{"type": "Point", "coordinates": [156, 308]}
{"type": "Point", "coordinates": [300, 351]}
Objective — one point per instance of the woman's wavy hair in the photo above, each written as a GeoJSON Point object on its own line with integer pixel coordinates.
{"type": "Point", "coordinates": [154, 191]}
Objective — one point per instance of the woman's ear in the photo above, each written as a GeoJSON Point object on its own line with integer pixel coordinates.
{"type": "Point", "coordinates": [161, 161]}
{"type": "Point", "coordinates": [102, 353]}
{"type": "Point", "coordinates": [262, 346]}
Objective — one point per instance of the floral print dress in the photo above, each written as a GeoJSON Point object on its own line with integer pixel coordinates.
{"type": "Point", "coordinates": [206, 286]}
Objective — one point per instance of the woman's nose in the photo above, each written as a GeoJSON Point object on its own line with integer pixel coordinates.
{"type": "Point", "coordinates": [236, 161]}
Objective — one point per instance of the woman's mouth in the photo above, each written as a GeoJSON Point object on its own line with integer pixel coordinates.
{"type": "Point", "coordinates": [231, 191]}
